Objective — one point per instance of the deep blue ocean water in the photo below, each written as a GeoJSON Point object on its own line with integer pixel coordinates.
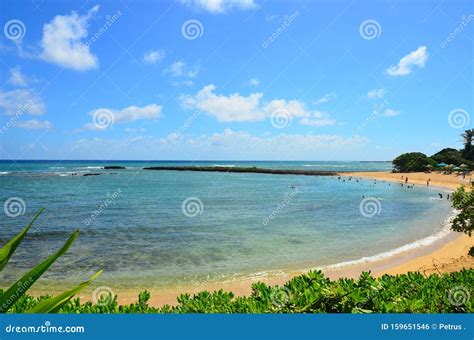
{"type": "Point", "coordinates": [154, 228]}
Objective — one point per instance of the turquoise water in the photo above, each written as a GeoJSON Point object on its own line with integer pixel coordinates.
{"type": "Point", "coordinates": [134, 225]}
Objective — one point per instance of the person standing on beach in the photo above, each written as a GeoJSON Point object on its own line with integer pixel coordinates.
{"type": "Point", "coordinates": [406, 179]}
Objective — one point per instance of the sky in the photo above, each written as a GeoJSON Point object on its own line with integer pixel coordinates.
{"type": "Point", "coordinates": [234, 80]}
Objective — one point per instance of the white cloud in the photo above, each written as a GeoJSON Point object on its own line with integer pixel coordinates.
{"type": "Point", "coordinates": [63, 41]}
{"type": "Point", "coordinates": [296, 108]}
{"type": "Point", "coordinates": [391, 113]}
{"type": "Point", "coordinates": [128, 114]}
{"type": "Point", "coordinates": [182, 73]}
{"type": "Point", "coordinates": [21, 101]}
{"type": "Point", "coordinates": [406, 64]}
{"type": "Point", "coordinates": [254, 82]}
{"type": "Point", "coordinates": [376, 93]}
{"type": "Point", "coordinates": [324, 99]}
{"type": "Point", "coordinates": [180, 69]}
{"type": "Point", "coordinates": [230, 144]}
{"type": "Point", "coordinates": [153, 56]}
{"type": "Point", "coordinates": [237, 108]}
{"type": "Point", "coordinates": [17, 78]}
{"type": "Point", "coordinates": [34, 124]}
{"type": "Point", "coordinates": [318, 121]}
{"type": "Point", "coordinates": [220, 6]}
{"type": "Point", "coordinates": [135, 130]}
{"type": "Point", "coordinates": [232, 108]}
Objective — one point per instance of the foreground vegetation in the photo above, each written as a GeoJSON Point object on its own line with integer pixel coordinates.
{"type": "Point", "coordinates": [309, 293]}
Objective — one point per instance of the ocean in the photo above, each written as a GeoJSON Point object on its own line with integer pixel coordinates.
{"type": "Point", "coordinates": [166, 228]}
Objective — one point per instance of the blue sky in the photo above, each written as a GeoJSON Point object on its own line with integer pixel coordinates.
{"type": "Point", "coordinates": [212, 79]}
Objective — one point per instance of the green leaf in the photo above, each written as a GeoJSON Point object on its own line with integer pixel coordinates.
{"type": "Point", "coordinates": [21, 286]}
{"type": "Point", "coordinates": [8, 249]}
{"type": "Point", "coordinates": [54, 304]}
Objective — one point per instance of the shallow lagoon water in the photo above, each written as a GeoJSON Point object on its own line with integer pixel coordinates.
{"type": "Point", "coordinates": [133, 225]}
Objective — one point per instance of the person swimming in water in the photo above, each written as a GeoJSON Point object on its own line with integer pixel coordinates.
{"type": "Point", "coordinates": [440, 195]}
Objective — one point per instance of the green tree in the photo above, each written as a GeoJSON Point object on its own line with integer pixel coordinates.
{"type": "Point", "coordinates": [464, 202]}
{"type": "Point", "coordinates": [449, 156]}
{"type": "Point", "coordinates": [411, 162]}
{"type": "Point", "coordinates": [468, 151]}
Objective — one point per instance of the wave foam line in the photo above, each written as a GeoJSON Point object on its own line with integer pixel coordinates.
{"type": "Point", "coordinates": [410, 246]}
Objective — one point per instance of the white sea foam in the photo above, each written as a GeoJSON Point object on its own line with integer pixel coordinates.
{"type": "Point", "coordinates": [4, 173]}
{"type": "Point", "coordinates": [410, 246]}
{"type": "Point", "coordinates": [56, 167]}
{"type": "Point", "coordinates": [225, 165]}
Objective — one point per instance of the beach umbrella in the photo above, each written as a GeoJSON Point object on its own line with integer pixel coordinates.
{"type": "Point", "coordinates": [442, 165]}
{"type": "Point", "coordinates": [457, 168]}
{"type": "Point", "coordinates": [463, 165]}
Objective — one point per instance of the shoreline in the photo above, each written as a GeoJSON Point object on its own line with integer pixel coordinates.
{"type": "Point", "coordinates": [443, 254]}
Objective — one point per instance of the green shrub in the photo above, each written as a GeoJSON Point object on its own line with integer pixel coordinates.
{"type": "Point", "coordinates": [309, 293]}
{"type": "Point", "coordinates": [464, 202]}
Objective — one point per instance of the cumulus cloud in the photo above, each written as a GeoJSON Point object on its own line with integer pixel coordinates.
{"type": "Point", "coordinates": [407, 63]}
{"type": "Point", "coordinates": [238, 108]}
{"type": "Point", "coordinates": [34, 124]}
{"type": "Point", "coordinates": [232, 108]}
{"type": "Point", "coordinates": [63, 41]}
{"type": "Point", "coordinates": [220, 6]}
{"type": "Point", "coordinates": [20, 101]}
{"type": "Point", "coordinates": [153, 56]}
{"type": "Point", "coordinates": [376, 94]}
{"type": "Point", "coordinates": [128, 114]}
